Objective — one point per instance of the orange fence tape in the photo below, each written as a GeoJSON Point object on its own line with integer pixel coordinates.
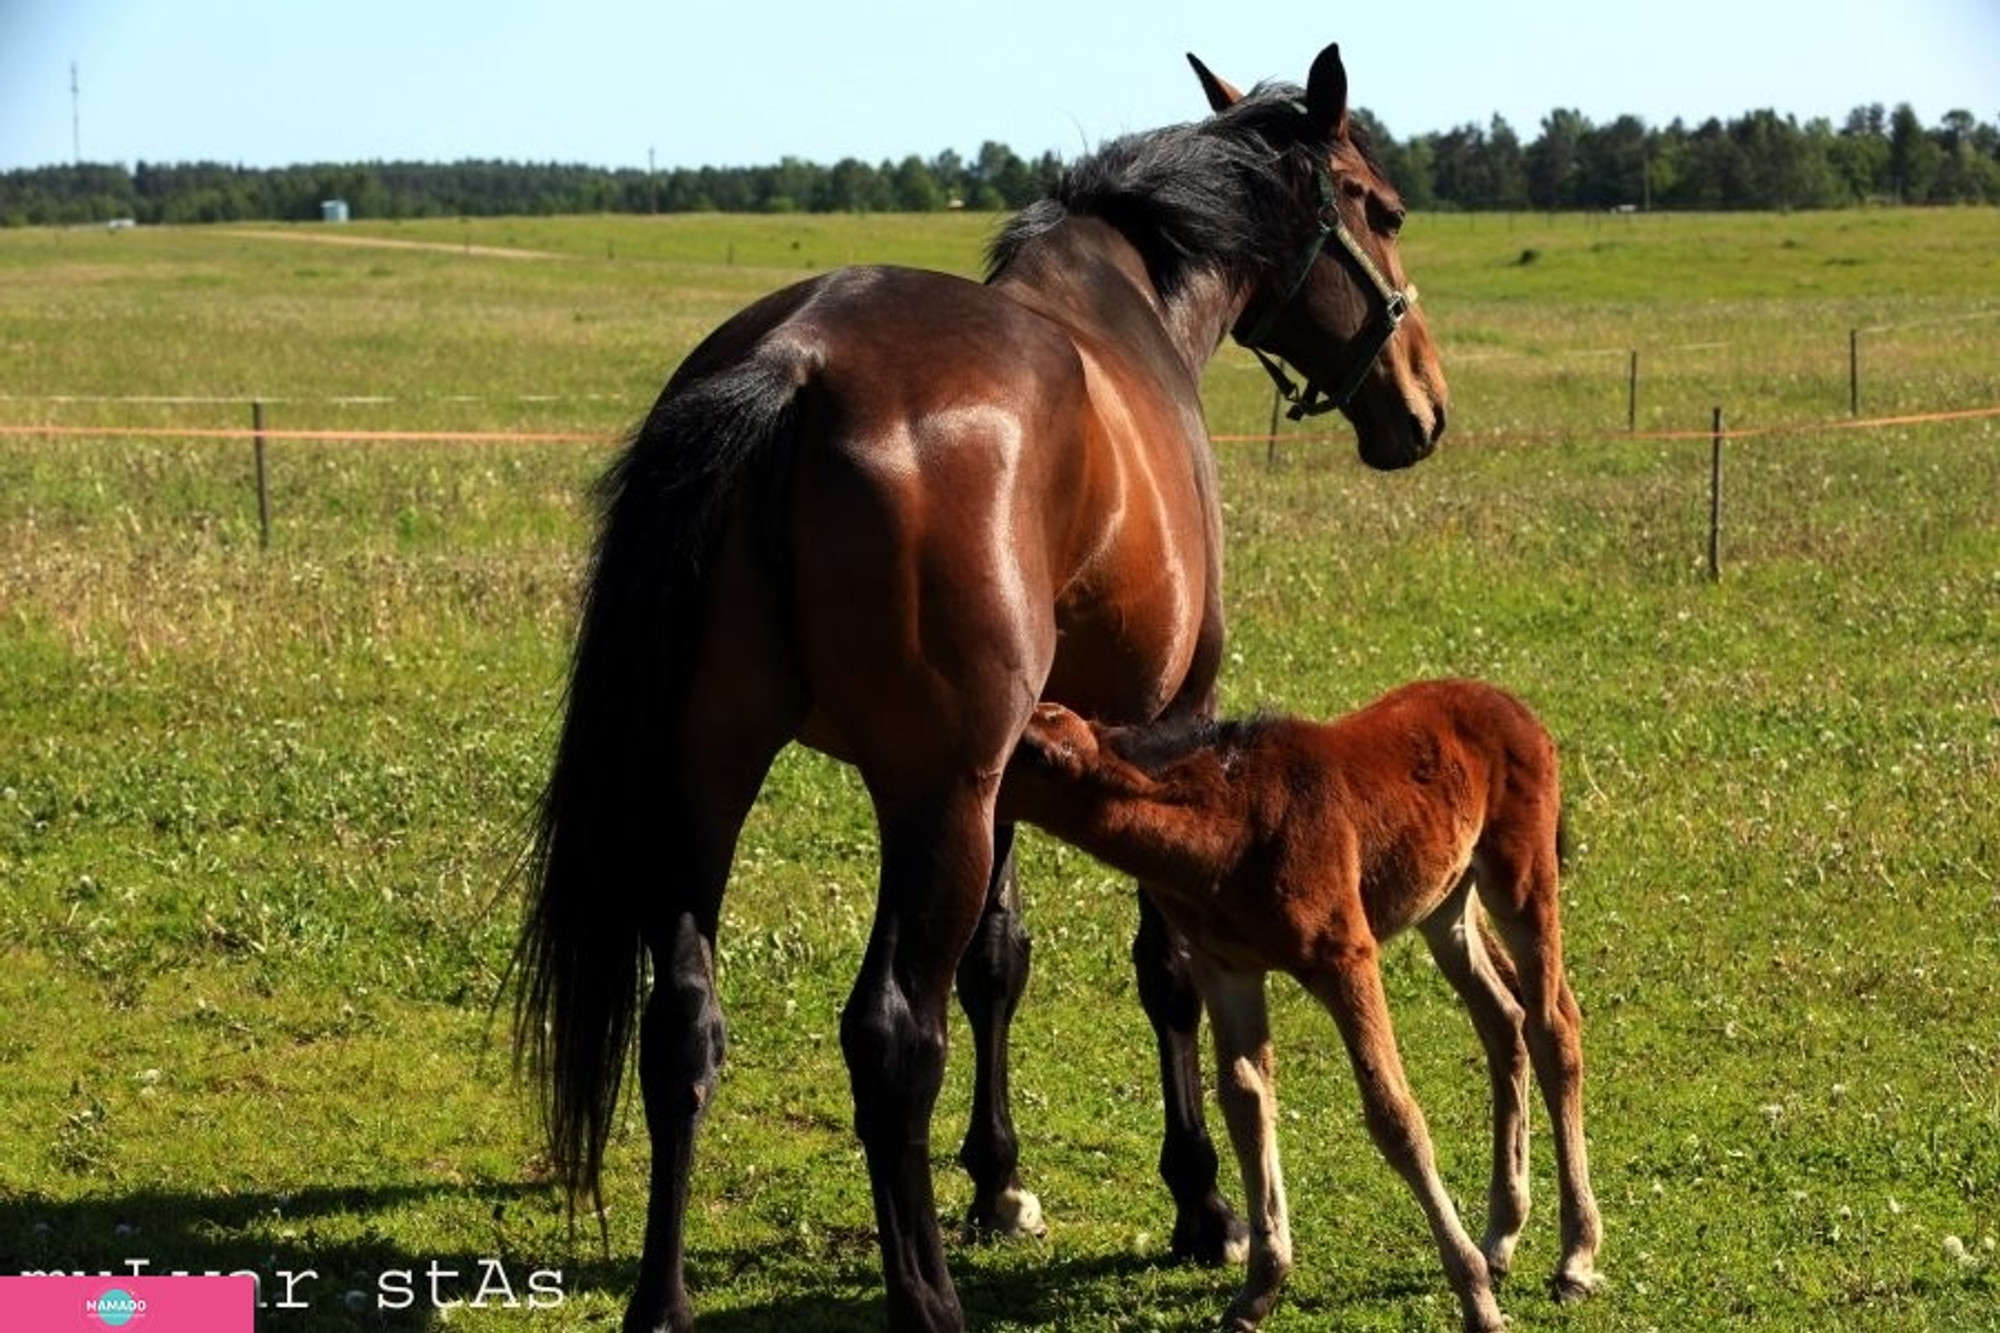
{"type": "Point", "coordinates": [1612, 433]}
{"type": "Point", "coordinates": [578, 437]}
{"type": "Point", "coordinates": [346, 436]}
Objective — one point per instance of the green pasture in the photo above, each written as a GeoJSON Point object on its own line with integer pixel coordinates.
{"type": "Point", "coordinates": [258, 806]}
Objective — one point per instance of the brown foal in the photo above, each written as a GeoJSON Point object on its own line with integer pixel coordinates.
{"type": "Point", "coordinates": [1280, 843]}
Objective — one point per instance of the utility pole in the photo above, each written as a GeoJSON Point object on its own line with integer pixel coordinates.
{"type": "Point", "coordinates": [75, 116]}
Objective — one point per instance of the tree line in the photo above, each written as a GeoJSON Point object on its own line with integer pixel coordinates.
{"type": "Point", "coordinates": [1760, 160]}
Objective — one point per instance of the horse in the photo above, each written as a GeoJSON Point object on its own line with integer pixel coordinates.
{"type": "Point", "coordinates": [1280, 844]}
{"type": "Point", "coordinates": [881, 513]}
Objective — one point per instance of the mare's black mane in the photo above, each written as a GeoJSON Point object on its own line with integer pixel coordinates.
{"type": "Point", "coordinates": [1227, 194]}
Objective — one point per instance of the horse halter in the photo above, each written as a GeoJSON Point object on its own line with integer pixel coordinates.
{"type": "Point", "coordinates": [1396, 302]}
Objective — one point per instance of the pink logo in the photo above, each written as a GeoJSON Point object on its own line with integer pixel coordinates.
{"type": "Point", "coordinates": [60, 1303]}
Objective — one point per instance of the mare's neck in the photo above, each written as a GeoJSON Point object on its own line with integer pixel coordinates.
{"type": "Point", "coordinates": [1086, 275]}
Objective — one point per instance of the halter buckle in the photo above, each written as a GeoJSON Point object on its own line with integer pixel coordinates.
{"type": "Point", "coordinates": [1397, 306]}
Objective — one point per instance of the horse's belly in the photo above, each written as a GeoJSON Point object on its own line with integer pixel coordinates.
{"type": "Point", "coordinates": [1132, 664]}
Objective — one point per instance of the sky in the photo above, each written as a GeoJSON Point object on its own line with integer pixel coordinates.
{"type": "Point", "coordinates": [622, 83]}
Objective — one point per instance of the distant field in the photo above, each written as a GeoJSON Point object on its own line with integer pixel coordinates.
{"type": "Point", "coordinates": [257, 807]}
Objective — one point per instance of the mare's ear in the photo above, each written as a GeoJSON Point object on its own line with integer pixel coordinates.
{"type": "Point", "coordinates": [1220, 92]}
{"type": "Point", "coordinates": [1326, 95]}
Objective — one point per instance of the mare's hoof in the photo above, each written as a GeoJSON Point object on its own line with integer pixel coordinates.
{"type": "Point", "coordinates": [1211, 1235]}
{"type": "Point", "coordinates": [673, 1321]}
{"type": "Point", "coordinates": [1015, 1215]}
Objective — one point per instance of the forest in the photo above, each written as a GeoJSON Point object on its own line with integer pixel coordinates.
{"type": "Point", "coordinates": [1760, 160]}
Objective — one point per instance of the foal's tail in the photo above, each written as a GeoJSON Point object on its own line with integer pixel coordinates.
{"type": "Point", "coordinates": [600, 856]}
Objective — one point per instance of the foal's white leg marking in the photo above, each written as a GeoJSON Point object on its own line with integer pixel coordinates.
{"type": "Point", "coordinates": [1454, 938]}
{"type": "Point", "coordinates": [1561, 1076]}
{"type": "Point", "coordinates": [1352, 990]}
{"type": "Point", "coordinates": [1246, 1087]}
{"type": "Point", "coordinates": [1555, 1043]}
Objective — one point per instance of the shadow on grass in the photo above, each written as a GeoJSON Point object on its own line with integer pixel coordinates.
{"type": "Point", "coordinates": [319, 1260]}
{"type": "Point", "coordinates": [1035, 1296]}
{"type": "Point", "coordinates": [322, 1264]}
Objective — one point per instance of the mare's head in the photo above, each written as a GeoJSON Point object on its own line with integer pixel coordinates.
{"type": "Point", "coordinates": [1338, 306]}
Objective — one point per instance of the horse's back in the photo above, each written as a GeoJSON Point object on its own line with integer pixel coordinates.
{"type": "Point", "coordinates": [1468, 716]}
{"type": "Point", "coordinates": [963, 515]}
{"type": "Point", "coordinates": [1463, 743]}
{"type": "Point", "coordinates": [1431, 775]}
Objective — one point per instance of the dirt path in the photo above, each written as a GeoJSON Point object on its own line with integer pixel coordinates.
{"type": "Point", "coordinates": [385, 243]}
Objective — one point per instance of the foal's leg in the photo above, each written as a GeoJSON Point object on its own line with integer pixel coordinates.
{"type": "Point", "coordinates": [991, 977]}
{"type": "Point", "coordinates": [937, 856]}
{"type": "Point", "coordinates": [1246, 1086]}
{"type": "Point", "coordinates": [1457, 942]}
{"type": "Point", "coordinates": [1205, 1230]}
{"type": "Point", "coordinates": [1533, 935]}
{"type": "Point", "coordinates": [1352, 990]}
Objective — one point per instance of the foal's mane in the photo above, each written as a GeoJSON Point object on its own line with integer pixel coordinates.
{"type": "Point", "coordinates": [1217, 195]}
{"type": "Point", "coordinates": [1155, 747]}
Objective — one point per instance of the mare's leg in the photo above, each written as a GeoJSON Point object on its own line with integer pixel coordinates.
{"type": "Point", "coordinates": [742, 706]}
{"type": "Point", "coordinates": [1457, 940]}
{"type": "Point", "coordinates": [1204, 1228]}
{"type": "Point", "coordinates": [1531, 928]}
{"type": "Point", "coordinates": [937, 856]}
{"type": "Point", "coordinates": [681, 1030]}
{"type": "Point", "coordinates": [1245, 1081]}
{"type": "Point", "coordinates": [991, 977]}
{"type": "Point", "coordinates": [1351, 988]}
{"type": "Point", "coordinates": [680, 1055]}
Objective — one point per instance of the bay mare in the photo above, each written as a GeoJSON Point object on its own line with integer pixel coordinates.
{"type": "Point", "coordinates": [1280, 844]}
{"type": "Point", "coordinates": [882, 513]}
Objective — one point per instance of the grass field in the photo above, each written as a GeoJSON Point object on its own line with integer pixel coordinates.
{"type": "Point", "coordinates": [258, 806]}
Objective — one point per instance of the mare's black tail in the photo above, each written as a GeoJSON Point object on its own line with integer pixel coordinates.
{"type": "Point", "coordinates": [601, 853]}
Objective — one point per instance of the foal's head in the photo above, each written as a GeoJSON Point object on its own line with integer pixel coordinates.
{"type": "Point", "coordinates": [1062, 746]}
{"type": "Point", "coordinates": [1057, 744]}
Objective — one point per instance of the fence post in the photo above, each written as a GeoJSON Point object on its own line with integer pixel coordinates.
{"type": "Point", "coordinates": [1715, 501]}
{"type": "Point", "coordinates": [263, 482]}
{"type": "Point", "coordinates": [1632, 394]}
{"type": "Point", "coordinates": [1854, 372]}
